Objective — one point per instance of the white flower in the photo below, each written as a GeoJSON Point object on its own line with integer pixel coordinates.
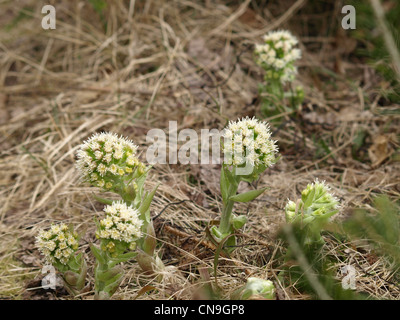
{"type": "Point", "coordinates": [122, 223]}
{"type": "Point", "coordinates": [57, 244]}
{"type": "Point", "coordinates": [249, 140]}
{"type": "Point", "coordinates": [98, 154]}
{"type": "Point", "coordinates": [279, 63]}
{"type": "Point", "coordinates": [278, 55]}
{"type": "Point", "coordinates": [108, 156]}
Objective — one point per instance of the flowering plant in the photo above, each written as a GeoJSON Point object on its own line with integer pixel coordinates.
{"type": "Point", "coordinates": [277, 56]}
{"type": "Point", "coordinates": [59, 245]}
{"type": "Point", "coordinates": [110, 162]}
{"type": "Point", "coordinates": [118, 233]}
{"type": "Point", "coordinates": [248, 152]}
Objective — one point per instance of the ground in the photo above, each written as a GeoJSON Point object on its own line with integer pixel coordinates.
{"type": "Point", "coordinates": [132, 66]}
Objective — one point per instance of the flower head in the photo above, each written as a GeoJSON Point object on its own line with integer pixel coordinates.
{"type": "Point", "coordinates": [122, 225]}
{"type": "Point", "coordinates": [249, 141]}
{"type": "Point", "coordinates": [316, 203]}
{"type": "Point", "coordinates": [58, 244]}
{"type": "Point", "coordinates": [105, 158]}
{"type": "Point", "coordinates": [277, 55]}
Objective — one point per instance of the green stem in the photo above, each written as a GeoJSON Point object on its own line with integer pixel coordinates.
{"type": "Point", "coordinates": [225, 223]}
{"type": "Point", "coordinates": [276, 89]}
{"type": "Point", "coordinates": [100, 269]}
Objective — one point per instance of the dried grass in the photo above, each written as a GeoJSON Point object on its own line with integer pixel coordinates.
{"type": "Point", "coordinates": [192, 62]}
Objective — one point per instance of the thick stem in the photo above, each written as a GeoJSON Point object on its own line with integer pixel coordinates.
{"type": "Point", "coordinates": [100, 269]}
{"type": "Point", "coordinates": [225, 223]}
{"type": "Point", "coordinates": [276, 89]}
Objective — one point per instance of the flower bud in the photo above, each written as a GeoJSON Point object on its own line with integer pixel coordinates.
{"type": "Point", "coordinates": [256, 287]}
{"type": "Point", "coordinates": [131, 191]}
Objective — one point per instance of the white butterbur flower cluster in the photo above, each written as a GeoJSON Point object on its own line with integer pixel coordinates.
{"type": "Point", "coordinates": [277, 55]}
{"type": "Point", "coordinates": [122, 223]}
{"type": "Point", "coordinates": [249, 141]}
{"type": "Point", "coordinates": [105, 158]}
{"type": "Point", "coordinates": [58, 244]}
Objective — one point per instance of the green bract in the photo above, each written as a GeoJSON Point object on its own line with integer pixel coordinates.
{"type": "Point", "coordinates": [316, 206]}
{"type": "Point", "coordinates": [316, 203]}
